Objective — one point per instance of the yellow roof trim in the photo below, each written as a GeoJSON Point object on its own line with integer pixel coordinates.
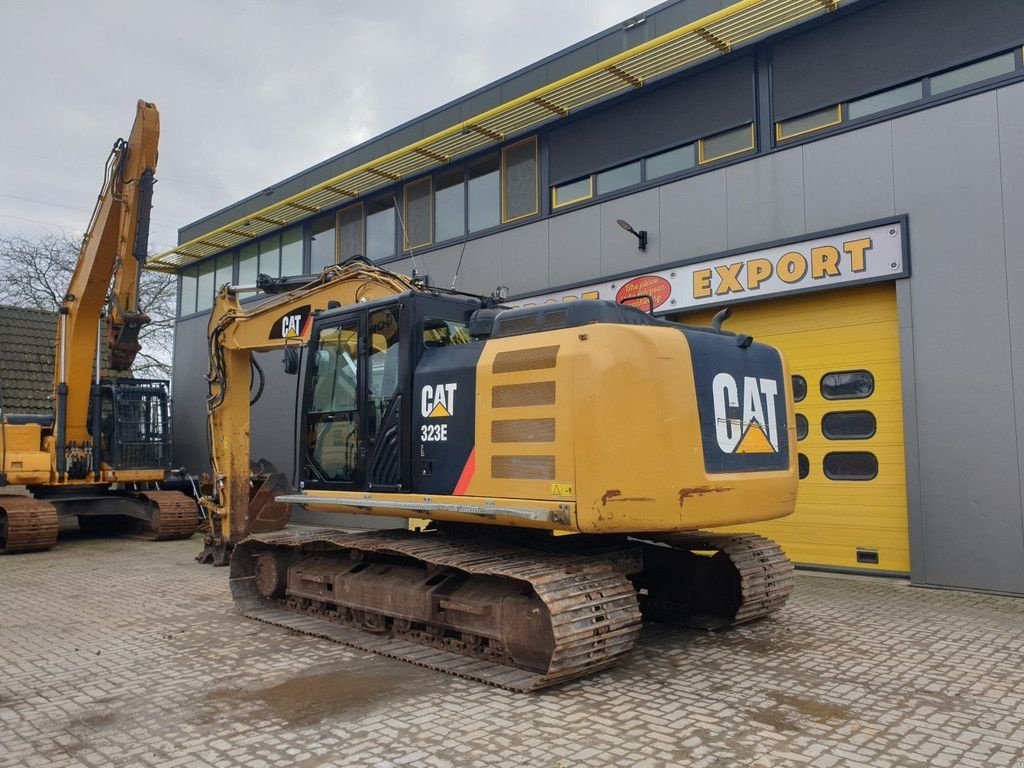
{"type": "Point", "coordinates": [712, 35]}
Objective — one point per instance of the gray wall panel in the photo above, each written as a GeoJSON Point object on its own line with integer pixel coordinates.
{"type": "Point", "coordinates": [272, 421]}
{"type": "Point", "coordinates": [766, 198]}
{"type": "Point", "coordinates": [911, 443]}
{"type": "Point", "coordinates": [693, 217]}
{"type": "Point", "coordinates": [524, 258]}
{"type": "Point", "coordinates": [947, 171]}
{"type": "Point", "coordinates": [1011, 152]}
{"type": "Point", "coordinates": [439, 265]}
{"type": "Point", "coordinates": [575, 246]}
{"type": "Point", "coordinates": [619, 251]}
{"type": "Point", "coordinates": [675, 16]}
{"type": "Point", "coordinates": [189, 418]}
{"type": "Point", "coordinates": [481, 266]}
{"type": "Point", "coordinates": [849, 178]}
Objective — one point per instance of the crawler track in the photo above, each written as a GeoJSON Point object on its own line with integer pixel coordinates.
{"type": "Point", "coordinates": [588, 598]}
{"type": "Point", "coordinates": [712, 580]}
{"type": "Point", "coordinates": [592, 608]}
{"type": "Point", "coordinates": [174, 516]}
{"type": "Point", "coordinates": [26, 524]}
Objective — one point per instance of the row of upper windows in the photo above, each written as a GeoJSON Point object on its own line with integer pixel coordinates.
{"type": "Point", "coordinates": [503, 187]}
{"type": "Point", "coordinates": [662, 164]}
{"type": "Point", "coordinates": [938, 85]}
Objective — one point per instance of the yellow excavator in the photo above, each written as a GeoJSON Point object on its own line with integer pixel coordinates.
{"type": "Point", "coordinates": [105, 451]}
{"type": "Point", "coordinates": [566, 458]}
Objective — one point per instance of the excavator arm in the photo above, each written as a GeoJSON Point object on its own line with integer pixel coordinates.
{"type": "Point", "coordinates": [113, 249]}
{"type": "Point", "coordinates": [241, 500]}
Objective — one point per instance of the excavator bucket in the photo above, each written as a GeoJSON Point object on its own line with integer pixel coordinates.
{"type": "Point", "coordinates": [266, 484]}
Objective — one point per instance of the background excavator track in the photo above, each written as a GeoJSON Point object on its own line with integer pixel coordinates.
{"type": "Point", "coordinates": [26, 524]}
{"type": "Point", "coordinates": [174, 516]}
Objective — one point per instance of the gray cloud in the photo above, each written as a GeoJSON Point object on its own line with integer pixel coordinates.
{"type": "Point", "coordinates": [249, 92]}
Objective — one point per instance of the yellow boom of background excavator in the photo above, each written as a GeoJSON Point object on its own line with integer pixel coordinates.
{"type": "Point", "coordinates": [566, 457]}
{"type": "Point", "coordinates": [106, 448]}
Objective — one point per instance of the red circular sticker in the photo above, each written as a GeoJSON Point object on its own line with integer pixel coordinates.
{"type": "Point", "coordinates": [636, 290]}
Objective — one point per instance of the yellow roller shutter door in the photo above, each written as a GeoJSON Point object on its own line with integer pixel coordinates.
{"type": "Point", "coordinates": [852, 504]}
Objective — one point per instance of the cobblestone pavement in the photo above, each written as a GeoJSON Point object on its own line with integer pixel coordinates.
{"type": "Point", "coordinates": [127, 653]}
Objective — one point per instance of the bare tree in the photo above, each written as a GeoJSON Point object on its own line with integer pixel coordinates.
{"type": "Point", "coordinates": [36, 273]}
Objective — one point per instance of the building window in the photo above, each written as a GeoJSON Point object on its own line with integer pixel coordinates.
{"type": "Point", "coordinates": [519, 171]}
{"type": "Point", "coordinates": [847, 385]}
{"type": "Point", "coordinates": [618, 178]}
{"type": "Point", "coordinates": [809, 123]}
{"type": "Point", "coordinates": [973, 73]}
{"type": "Point", "coordinates": [350, 229]}
{"type": "Point", "coordinates": [572, 192]}
{"type": "Point", "coordinates": [291, 251]}
{"type": "Point", "coordinates": [204, 286]}
{"type": "Point", "coordinates": [417, 215]}
{"type": "Point", "coordinates": [801, 426]}
{"type": "Point", "coordinates": [850, 465]}
{"type": "Point", "coordinates": [799, 388]}
{"type": "Point", "coordinates": [248, 264]}
{"type": "Point", "coordinates": [484, 194]}
{"type": "Point", "coordinates": [803, 465]}
{"type": "Point", "coordinates": [223, 269]}
{"type": "Point", "coordinates": [673, 161]}
{"type": "Point", "coordinates": [380, 229]}
{"type": "Point", "coordinates": [848, 425]}
{"type": "Point", "coordinates": [450, 205]}
{"type": "Point", "coordinates": [270, 256]}
{"type": "Point", "coordinates": [886, 100]}
{"type": "Point", "coordinates": [187, 292]}
{"type": "Point", "coordinates": [727, 144]}
{"type": "Point", "coordinates": [321, 243]}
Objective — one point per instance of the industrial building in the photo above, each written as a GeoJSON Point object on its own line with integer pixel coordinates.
{"type": "Point", "coordinates": [848, 175]}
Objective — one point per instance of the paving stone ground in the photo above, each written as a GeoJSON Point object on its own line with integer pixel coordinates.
{"type": "Point", "coordinates": [126, 653]}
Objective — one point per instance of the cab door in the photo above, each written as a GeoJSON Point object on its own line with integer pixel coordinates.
{"type": "Point", "coordinates": [354, 408]}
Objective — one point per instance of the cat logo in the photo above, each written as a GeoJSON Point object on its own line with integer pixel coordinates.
{"type": "Point", "coordinates": [437, 401]}
{"type": "Point", "coordinates": [756, 430]}
{"type": "Point", "coordinates": [292, 325]}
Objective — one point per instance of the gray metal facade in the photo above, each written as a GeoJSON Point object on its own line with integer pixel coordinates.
{"type": "Point", "coordinates": [955, 169]}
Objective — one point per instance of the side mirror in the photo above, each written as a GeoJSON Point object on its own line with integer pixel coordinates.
{"type": "Point", "coordinates": [291, 360]}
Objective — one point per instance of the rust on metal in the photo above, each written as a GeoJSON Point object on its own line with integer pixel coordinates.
{"type": "Point", "coordinates": [26, 524]}
{"type": "Point", "coordinates": [700, 490]}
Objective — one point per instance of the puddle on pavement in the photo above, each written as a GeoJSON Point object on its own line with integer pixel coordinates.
{"type": "Point", "coordinates": [816, 710]}
{"type": "Point", "coordinates": [308, 699]}
{"type": "Point", "coordinates": [793, 710]}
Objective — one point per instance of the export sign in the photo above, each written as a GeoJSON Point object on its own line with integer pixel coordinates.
{"type": "Point", "coordinates": [874, 253]}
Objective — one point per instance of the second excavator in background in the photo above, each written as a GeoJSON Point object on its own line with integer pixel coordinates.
{"type": "Point", "coordinates": [105, 452]}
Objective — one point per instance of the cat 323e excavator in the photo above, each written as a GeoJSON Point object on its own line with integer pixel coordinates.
{"type": "Point", "coordinates": [105, 450]}
{"type": "Point", "coordinates": [566, 457]}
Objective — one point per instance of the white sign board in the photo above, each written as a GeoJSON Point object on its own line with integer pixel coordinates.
{"type": "Point", "coordinates": [874, 253]}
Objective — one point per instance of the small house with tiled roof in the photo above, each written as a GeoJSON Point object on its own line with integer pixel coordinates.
{"type": "Point", "coordinates": [26, 360]}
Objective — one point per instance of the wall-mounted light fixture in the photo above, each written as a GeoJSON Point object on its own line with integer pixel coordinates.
{"type": "Point", "coordinates": [641, 236]}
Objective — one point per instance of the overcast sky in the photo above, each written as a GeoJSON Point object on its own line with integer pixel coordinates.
{"type": "Point", "coordinates": [248, 92]}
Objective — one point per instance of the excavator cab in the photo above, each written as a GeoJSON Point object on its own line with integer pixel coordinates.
{"type": "Point", "coordinates": [357, 416]}
{"type": "Point", "coordinates": [134, 423]}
